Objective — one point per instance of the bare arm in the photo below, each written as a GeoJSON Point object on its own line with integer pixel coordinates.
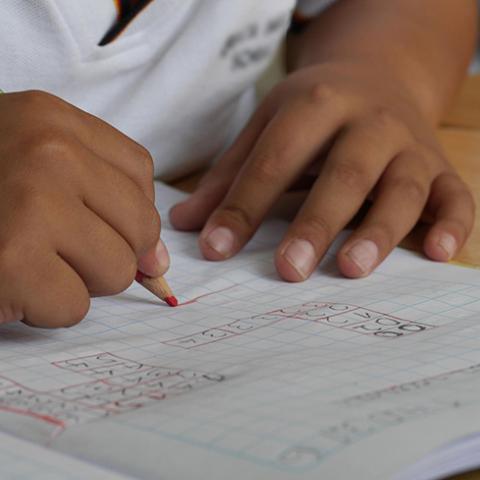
{"type": "Point", "coordinates": [425, 45]}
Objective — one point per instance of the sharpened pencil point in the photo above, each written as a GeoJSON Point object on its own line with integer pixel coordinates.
{"type": "Point", "coordinates": [172, 301]}
{"type": "Point", "coordinates": [158, 286]}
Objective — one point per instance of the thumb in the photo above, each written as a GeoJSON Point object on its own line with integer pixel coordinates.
{"type": "Point", "coordinates": [155, 262]}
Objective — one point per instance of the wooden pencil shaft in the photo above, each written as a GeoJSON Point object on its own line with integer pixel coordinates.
{"type": "Point", "coordinates": [158, 286]}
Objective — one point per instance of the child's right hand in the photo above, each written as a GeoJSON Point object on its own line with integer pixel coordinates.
{"type": "Point", "coordinates": [77, 216]}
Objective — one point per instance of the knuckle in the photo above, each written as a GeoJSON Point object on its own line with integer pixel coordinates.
{"type": "Point", "coordinates": [385, 234]}
{"type": "Point", "coordinates": [152, 226]}
{"type": "Point", "coordinates": [388, 233]}
{"type": "Point", "coordinates": [10, 313]}
{"type": "Point", "coordinates": [31, 203]}
{"type": "Point", "coordinates": [76, 311]}
{"type": "Point", "coordinates": [266, 169]}
{"type": "Point", "coordinates": [146, 225]}
{"type": "Point", "coordinates": [48, 148]}
{"type": "Point", "coordinates": [457, 189]}
{"type": "Point", "coordinates": [428, 152]}
{"type": "Point", "coordinates": [37, 102]}
{"type": "Point", "coordinates": [321, 93]}
{"type": "Point", "coordinates": [11, 261]}
{"type": "Point", "coordinates": [145, 161]}
{"type": "Point", "coordinates": [318, 226]}
{"type": "Point", "coordinates": [351, 174]}
{"type": "Point", "coordinates": [383, 117]}
{"type": "Point", "coordinates": [124, 277]}
{"type": "Point", "coordinates": [466, 197]}
{"type": "Point", "coordinates": [38, 98]}
{"type": "Point", "coordinates": [427, 155]}
{"type": "Point", "coordinates": [411, 188]}
{"type": "Point", "coordinates": [237, 215]}
{"type": "Point", "coordinates": [464, 189]}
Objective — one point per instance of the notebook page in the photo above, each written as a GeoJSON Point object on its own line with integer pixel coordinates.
{"type": "Point", "coordinates": [454, 458]}
{"type": "Point", "coordinates": [22, 460]}
{"type": "Point", "coordinates": [252, 377]}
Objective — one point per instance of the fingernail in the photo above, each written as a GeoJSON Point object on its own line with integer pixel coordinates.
{"type": "Point", "coordinates": [448, 243]}
{"type": "Point", "coordinates": [301, 255]}
{"type": "Point", "coordinates": [162, 256]}
{"type": "Point", "coordinates": [155, 262]}
{"type": "Point", "coordinates": [364, 254]}
{"type": "Point", "coordinates": [222, 240]}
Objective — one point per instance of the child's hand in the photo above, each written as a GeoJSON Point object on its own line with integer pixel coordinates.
{"type": "Point", "coordinates": [76, 211]}
{"type": "Point", "coordinates": [377, 144]}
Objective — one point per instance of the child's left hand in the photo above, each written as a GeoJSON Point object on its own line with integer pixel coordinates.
{"type": "Point", "coordinates": [375, 143]}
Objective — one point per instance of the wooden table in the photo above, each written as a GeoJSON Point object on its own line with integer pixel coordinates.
{"type": "Point", "coordinates": [460, 136]}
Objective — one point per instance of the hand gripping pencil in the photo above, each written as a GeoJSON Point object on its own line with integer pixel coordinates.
{"type": "Point", "coordinates": [158, 286]}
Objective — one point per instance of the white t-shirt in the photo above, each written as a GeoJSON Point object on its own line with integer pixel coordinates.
{"type": "Point", "coordinates": [179, 79]}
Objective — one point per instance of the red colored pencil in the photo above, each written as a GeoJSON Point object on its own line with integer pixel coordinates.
{"type": "Point", "coordinates": [159, 287]}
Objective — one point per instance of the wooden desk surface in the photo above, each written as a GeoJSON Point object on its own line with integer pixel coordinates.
{"type": "Point", "coordinates": [463, 149]}
{"type": "Point", "coordinates": [461, 140]}
{"type": "Point", "coordinates": [465, 112]}
{"type": "Point", "coordinates": [460, 137]}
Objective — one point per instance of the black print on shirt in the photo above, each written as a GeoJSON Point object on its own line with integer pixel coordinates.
{"type": "Point", "coordinates": [253, 43]}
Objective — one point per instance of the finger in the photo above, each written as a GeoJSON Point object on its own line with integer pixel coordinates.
{"type": "Point", "coordinates": [95, 134]}
{"type": "Point", "coordinates": [192, 213]}
{"type": "Point", "coordinates": [351, 170]}
{"type": "Point", "coordinates": [156, 261]}
{"type": "Point", "coordinates": [400, 199]}
{"type": "Point", "coordinates": [116, 199]}
{"type": "Point", "coordinates": [42, 289]}
{"type": "Point", "coordinates": [453, 209]}
{"type": "Point", "coordinates": [9, 313]}
{"type": "Point", "coordinates": [280, 155]}
{"type": "Point", "coordinates": [60, 297]}
{"type": "Point", "coordinates": [99, 254]}
{"type": "Point", "coordinates": [119, 150]}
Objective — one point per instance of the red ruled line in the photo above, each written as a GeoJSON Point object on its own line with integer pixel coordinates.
{"type": "Point", "coordinates": [37, 416]}
{"type": "Point", "coordinates": [193, 300]}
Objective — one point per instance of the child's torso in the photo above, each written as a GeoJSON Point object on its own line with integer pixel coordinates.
{"type": "Point", "coordinates": [178, 79]}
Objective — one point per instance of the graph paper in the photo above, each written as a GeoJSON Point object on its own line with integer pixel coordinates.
{"type": "Point", "coordinates": [252, 377]}
{"type": "Point", "coordinates": [21, 460]}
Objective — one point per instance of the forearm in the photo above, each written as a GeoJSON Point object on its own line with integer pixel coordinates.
{"type": "Point", "coordinates": [425, 46]}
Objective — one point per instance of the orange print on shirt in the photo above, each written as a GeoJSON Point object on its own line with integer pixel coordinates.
{"type": "Point", "coordinates": [127, 10]}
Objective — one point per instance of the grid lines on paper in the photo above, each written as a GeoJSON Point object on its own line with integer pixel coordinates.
{"type": "Point", "coordinates": [287, 375]}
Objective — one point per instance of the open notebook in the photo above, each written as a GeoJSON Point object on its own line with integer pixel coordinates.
{"type": "Point", "coordinates": [252, 377]}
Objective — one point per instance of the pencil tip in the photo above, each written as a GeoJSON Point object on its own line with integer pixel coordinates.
{"type": "Point", "coordinates": [172, 301]}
